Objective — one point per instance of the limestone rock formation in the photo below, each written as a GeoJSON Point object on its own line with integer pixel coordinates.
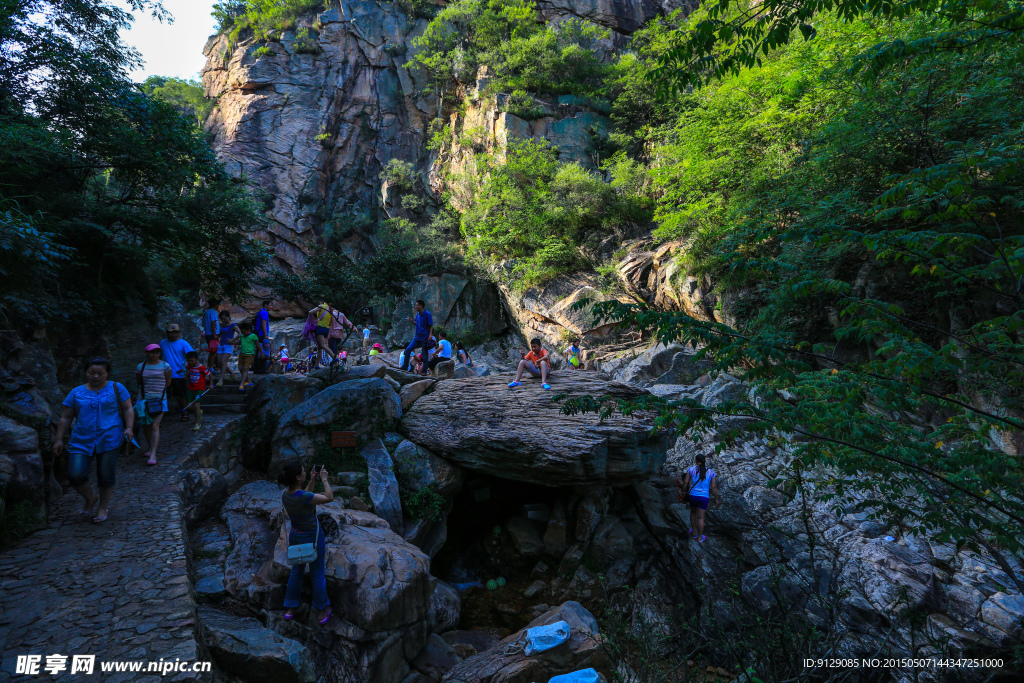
{"type": "Point", "coordinates": [383, 484]}
{"type": "Point", "coordinates": [379, 585]}
{"type": "Point", "coordinates": [243, 647]}
{"type": "Point", "coordinates": [520, 434]}
{"type": "Point", "coordinates": [582, 650]}
{"type": "Point", "coordinates": [362, 406]}
{"type": "Point", "coordinates": [315, 130]}
{"type": "Point", "coordinates": [21, 469]}
{"type": "Point", "coordinates": [202, 492]}
{"type": "Point", "coordinates": [455, 302]}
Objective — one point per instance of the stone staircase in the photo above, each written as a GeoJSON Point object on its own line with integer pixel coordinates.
{"type": "Point", "coordinates": [226, 400]}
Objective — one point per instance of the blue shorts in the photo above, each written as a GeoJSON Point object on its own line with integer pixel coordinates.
{"type": "Point", "coordinates": [323, 331]}
{"type": "Point", "coordinates": [698, 502]}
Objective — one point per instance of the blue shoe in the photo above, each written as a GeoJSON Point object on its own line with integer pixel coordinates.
{"type": "Point", "coordinates": [514, 384]}
{"type": "Point", "coordinates": [545, 386]}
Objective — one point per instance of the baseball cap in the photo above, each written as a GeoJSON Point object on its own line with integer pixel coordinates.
{"type": "Point", "coordinates": [173, 328]}
{"type": "Point", "coordinates": [153, 347]}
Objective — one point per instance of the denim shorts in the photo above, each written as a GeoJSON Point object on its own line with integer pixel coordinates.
{"type": "Point", "coordinates": [698, 502]}
{"type": "Point", "coordinates": [79, 465]}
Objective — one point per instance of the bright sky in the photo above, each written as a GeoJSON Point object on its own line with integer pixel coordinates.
{"type": "Point", "coordinates": [172, 49]}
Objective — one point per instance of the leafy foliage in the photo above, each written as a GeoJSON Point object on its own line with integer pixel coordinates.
{"type": "Point", "coordinates": [103, 182]}
{"type": "Point", "coordinates": [264, 20]}
{"type": "Point", "coordinates": [187, 96]}
{"type": "Point", "coordinates": [737, 34]}
{"type": "Point", "coordinates": [527, 206]}
{"type": "Point", "coordinates": [521, 53]}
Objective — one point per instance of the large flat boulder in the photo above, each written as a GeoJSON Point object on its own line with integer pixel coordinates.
{"type": "Point", "coordinates": [243, 647]}
{"type": "Point", "coordinates": [365, 406]}
{"type": "Point", "coordinates": [583, 650]}
{"type": "Point", "coordinates": [202, 491]}
{"type": "Point", "coordinates": [520, 434]}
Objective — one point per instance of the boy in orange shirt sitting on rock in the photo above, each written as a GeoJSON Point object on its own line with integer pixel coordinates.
{"type": "Point", "coordinates": [537, 362]}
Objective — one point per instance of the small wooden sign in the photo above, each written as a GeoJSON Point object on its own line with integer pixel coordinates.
{"type": "Point", "coordinates": [343, 439]}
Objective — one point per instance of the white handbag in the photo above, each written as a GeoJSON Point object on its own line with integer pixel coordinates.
{"type": "Point", "coordinates": [304, 553]}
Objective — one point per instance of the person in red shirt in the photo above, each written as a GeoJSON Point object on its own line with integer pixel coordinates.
{"type": "Point", "coordinates": [195, 379]}
{"type": "Point", "coordinates": [537, 362]}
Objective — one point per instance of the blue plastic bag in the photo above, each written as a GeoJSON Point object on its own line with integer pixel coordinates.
{"type": "Point", "coordinates": [541, 638]}
{"type": "Point", "coordinates": [581, 676]}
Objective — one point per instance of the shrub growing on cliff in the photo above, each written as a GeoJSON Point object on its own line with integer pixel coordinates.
{"type": "Point", "coordinates": [263, 19]}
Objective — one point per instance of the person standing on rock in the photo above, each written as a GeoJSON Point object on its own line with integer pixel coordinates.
{"type": "Point", "coordinates": [322, 315]}
{"type": "Point", "coordinates": [339, 324]}
{"type": "Point", "coordinates": [211, 331]}
{"type": "Point", "coordinates": [154, 377]}
{"type": "Point", "coordinates": [572, 354]}
{"type": "Point", "coordinates": [700, 484]}
{"type": "Point", "coordinates": [300, 504]}
{"type": "Point", "coordinates": [263, 334]}
{"type": "Point", "coordinates": [537, 362]}
{"type": "Point", "coordinates": [424, 331]}
{"type": "Point", "coordinates": [174, 349]}
{"type": "Point", "coordinates": [104, 419]}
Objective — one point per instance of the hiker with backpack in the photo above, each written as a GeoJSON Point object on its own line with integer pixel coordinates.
{"type": "Point", "coordinates": [700, 484]}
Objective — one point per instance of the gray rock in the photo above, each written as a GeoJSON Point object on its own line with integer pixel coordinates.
{"type": "Point", "coordinates": [445, 608]}
{"type": "Point", "coordinates": [275, 395]}
{"type": "Point", "coordinates": [454, 302]}
{"type": "Point", "coordinates": [202, 492]}
{"type": "Point", "coordinates": [469, 643]}
{"type": "Point", "coordinates": [22, 470]}
{"type": "Point", "coordinates": [1004, 612]}
{"type": "Point", "coordinates": [383, 484]}
{"type": "Point", "coordinates": [411, 392]}
{"type": "Point", "coordinates": [444, 370]}
{"type": "Point", "coordinates": [212, 587]}
{"type": "Point", "coordinates": [588, 515]}
{"type": "Point", "coordinates": [555, 537]}
{"type": "Point", "coordinates": [365, 406]}
{"type": "Point", "coordinates": [418, 468]}
{"type": "Point", "coordinates": [520, 434]}
{"type": "Point", "coordinates": [435, 659]}
{"type": "Point", "coordinates": [353, 478]}
{"type": "Point", "coordinates": [685, 369]}
{"type": "Point", "coordinates": [375, 580]}
{"type": "Point", "coordinates": [243, 647]}
{"type": "Point", "coordinates": [428, 536]}
{"type": "Point", "coordinates": [534, 589]}
{"type": "Point", "coordinates": [582, 650]}
{"type": "Point", "coordinates": [649, 365]}
{"type": "Point", "coordinates": [525, 536]}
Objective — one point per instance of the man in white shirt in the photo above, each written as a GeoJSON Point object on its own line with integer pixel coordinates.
{"type": "Point", "coordinates": [443, 351]}
{"type": "Point", "coordinates": [366, 339]}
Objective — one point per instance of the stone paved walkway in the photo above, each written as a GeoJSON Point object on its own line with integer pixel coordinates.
{"type": "Point", "coordinates": [118, 590]}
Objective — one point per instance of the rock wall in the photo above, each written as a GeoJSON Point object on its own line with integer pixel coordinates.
{"type": "Point", "coordinates": [313, 131]}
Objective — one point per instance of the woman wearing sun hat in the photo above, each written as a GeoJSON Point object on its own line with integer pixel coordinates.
{"type": "Point", "coordinates": [154, 378]}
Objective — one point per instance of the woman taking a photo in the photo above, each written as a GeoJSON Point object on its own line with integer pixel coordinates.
{"type": "Point", "coordinates": [102, 411]}
{"type": "Point", "coordinates": [154, 378]}
{"type": "Point", "coordinates": [300, 503]}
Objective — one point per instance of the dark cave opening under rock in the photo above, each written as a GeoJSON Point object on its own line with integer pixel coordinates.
{"type": "Point", "coordinates": [496, 548]}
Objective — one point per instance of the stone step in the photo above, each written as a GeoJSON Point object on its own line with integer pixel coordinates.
{"type": "Point", "coordinates": [223, 409]}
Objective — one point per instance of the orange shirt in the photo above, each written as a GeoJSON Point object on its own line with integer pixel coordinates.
{"type": "Point", "coordinates": [536, 358]}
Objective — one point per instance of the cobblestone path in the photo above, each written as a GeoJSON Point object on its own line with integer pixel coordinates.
{"type": "Point", "coordinates": [118, 590]}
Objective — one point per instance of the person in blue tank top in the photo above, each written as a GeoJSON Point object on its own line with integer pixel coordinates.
{"type": "Point", "coordinates": [700, 485]}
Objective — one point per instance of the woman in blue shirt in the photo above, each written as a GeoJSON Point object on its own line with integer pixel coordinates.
{"type": "Point", "coordinates": [700, 484]}
{"type": "Point", "coordinates": [104, 419]}
{"type": "Point", "coordinates": [300, 504]}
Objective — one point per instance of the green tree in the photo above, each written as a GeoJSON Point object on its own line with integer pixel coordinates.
{"type": "Point", "coordinates": [113, 182]}
{"type": "Point", "coordinates": [187, 96]}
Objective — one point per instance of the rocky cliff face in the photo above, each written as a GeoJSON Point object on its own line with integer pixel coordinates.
{"type": "Point", "coordinates": [313, 131]}
{"type": "Point", "coordinates": [314, 127]}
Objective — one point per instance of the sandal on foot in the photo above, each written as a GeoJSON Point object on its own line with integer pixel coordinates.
{"type": "Point", "coordinates": [702, 538]}
{"type": "Point", "coordinates": [184, 418]}
{"type": "Point", "coordinates": [86, 512]}
{"type": "Point", "coordinates": [199, 425]}
{"type": "Point", "coordinates": [99, 519]}
{"type": "Point", "coordinates": [330, 613]}
{"type": "Point", "coordinates": [545, 386]}
{"type": "Point", "coordinates": [288, 617]}
{"type": "Point", "coordinates": [152, 460]}
{"type": "Point", "coordinates": [514, 384]}
{"type": "Point", "coordinates": [692, 535]}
